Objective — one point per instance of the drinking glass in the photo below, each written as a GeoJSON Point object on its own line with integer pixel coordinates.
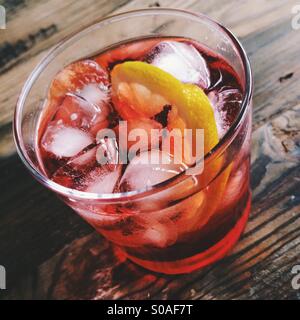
{"type": "Point", "coordinates": [188, 221]}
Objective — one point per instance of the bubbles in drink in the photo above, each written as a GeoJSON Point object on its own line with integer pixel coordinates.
{"type": "Point", "coordinates": [182, 61]}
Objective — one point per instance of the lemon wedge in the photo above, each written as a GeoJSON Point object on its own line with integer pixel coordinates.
{"type": "Point", "coordinates": [142, 90]}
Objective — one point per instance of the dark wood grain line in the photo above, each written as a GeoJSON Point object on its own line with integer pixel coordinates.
{"type": "Point", "coordinates": [4, 129]}
{"type": "Point", "coordinates": [154, 4]}
{"type": "Point", "coordinates": [266, 249]}
{"type": "Point", "coordinates": [260, 207]}
{"type": "Point", "coordinates": [286, 77]}
{"type": "Point", "coordinates": [231, 260]}
{"type": "Point", "coordinates": [120, 5]}
{"type": "Point", "coordinates": [235, 284]}
{"type": "Point", "coordinates": [265, 237]}
{"type": "Point", "coordinates": [278, 184]}
{"type": "Point", "coordinates": [197, 278]}
{"type": "Point", "coordinates": [257, 40]}
{"type": "Point", "coordinates": [266, 222]}
{"type": "Point", "coordinates": [261, 119]}
{"type": "Point", "coordinates": [127, 283]}
{"type": "Point", "coordinates": [273, 38]}
{"type": "Point", "coordinates": [11, 52]}
{"type": "Point", "coordinates": [266, 266]}
{"type": "Point", "coordinates": [269, 291]}
{"type": "Point", "coordinates": [258, 170]}
{"type": "Point", "coordinates": [139, 291]}
{"type": "Point", "coordinates": [154, 294]}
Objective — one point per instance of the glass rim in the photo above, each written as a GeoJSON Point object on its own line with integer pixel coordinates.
{"type": "Point", "coordinates": [223, 143]}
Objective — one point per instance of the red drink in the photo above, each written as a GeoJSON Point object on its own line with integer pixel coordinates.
{"type": "Point", "coordinates": [161, 216]}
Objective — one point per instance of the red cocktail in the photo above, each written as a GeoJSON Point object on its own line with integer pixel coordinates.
{"type": "Point", "coordinates": [111, 137]}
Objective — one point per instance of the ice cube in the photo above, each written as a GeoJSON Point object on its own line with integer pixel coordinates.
{"type": "Point", "coordinates": [140, 230]}
{"type": "Point", "coordinates": [97, 97]}
{"type": "Point", "coordinates": [97, 217]}
{"type": "Point", "coordinates": [84, 109]}
{"type": "Point", "coordinates": [102, 180]}
{"type": "Point", "coordinates": [236, 186]}
{"type": "Point", "coordinates": [75, 111]}
{"type": "Point", "coordinates": [141, 173]}
{"type": "Point", "coordinates": [63, 141]}
{"type": "Point", "coordinates": [181, 60]}
{"type": "Point", "coordinates": [75, 76]}
{"type": "Point", "coordinates": [226, 103]}
{"type": "Point", "coordinates": [159, 234]}
{"type": "Point", "coordinates": [84, 159]}
{"type": "Point", "coordinates": [148, 169]}
{"type": "Point", "coordinates": [75, 168]}
{"type": "Point", "coordinates": [107, 152]}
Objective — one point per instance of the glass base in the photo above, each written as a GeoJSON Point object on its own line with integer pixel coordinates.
{"type": "Point", "coordinates": [211, 255]}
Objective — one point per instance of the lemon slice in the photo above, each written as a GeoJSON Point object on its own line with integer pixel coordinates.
{"type": "Point", "coordinates": [142, 90]}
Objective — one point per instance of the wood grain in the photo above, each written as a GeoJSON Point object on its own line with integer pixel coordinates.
{"type": "Point", "coordinates": [42, 242]}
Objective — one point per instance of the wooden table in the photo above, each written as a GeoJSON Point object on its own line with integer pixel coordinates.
{"type": "Point", "coordinates": [51, 253]}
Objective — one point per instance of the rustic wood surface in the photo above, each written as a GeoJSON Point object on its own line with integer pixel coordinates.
{"type": "Point", "coordinates": [51, 253]}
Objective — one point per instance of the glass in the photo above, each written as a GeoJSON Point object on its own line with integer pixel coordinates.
{"type": "Point", "coordinates": [188, 221]}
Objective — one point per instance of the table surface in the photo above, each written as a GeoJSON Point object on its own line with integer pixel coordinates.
{"type": "Point", "coordinates": [51, 253]}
